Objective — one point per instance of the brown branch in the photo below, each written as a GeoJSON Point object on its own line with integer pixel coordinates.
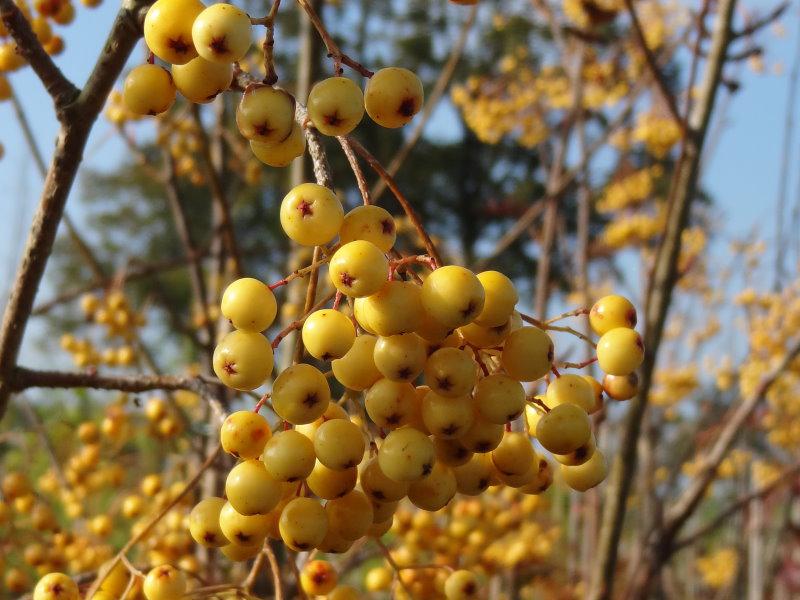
{"type": "Point", "coordinates": [404, 203]}
{"type": "Point", "coordinates": [77, 120]}
{"type": "Point", "coordinates": [356, 168]}
{"type": "Point", "coordinates": [319, 160]}
{"type": "Point", "coordinates": [445, 75]}
{"type": "Point", "coordinates": [652, 66]}
{"type": "Point", "coordinates": [275, 569]}
{"type": "Point", "coordinates": [772, 16]}
{"type": "Point", "coordinates": [664, 279]}
{"type": "Point", "coordinates": [61, 89]}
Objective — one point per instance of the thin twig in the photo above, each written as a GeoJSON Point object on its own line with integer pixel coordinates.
{"type": "Point", "coordinates": [356, 168]}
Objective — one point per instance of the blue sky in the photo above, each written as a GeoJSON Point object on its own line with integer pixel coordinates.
{"type": "Point", "coordinates": [741, 174]}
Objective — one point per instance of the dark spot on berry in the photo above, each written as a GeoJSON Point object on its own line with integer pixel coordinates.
{"type": "Point", "coordinates": [305, 208]}
{"type": "Point", "coordinates": [404, 373]}
{"type": "Point", "coordinates": [311, 399]}
{"type": "Point", "coordinates": [481, 447]}
{"type": "Point", "coordinates": [333, 119]}
{"type": "Point", "coordinates": [243, 538]}
{"type": "Point", "coordinates": [219, 45]}
{"type": "Point", "coordinates": [639, 343]}
{"type": "Point", "coordinates": [301, 546]}
{"type": "Point", "coordinates": [581, 453]}
{"type": "Point", "coordinates": [209, 537]}
{"type": "Point", "coordinates": [263, 129]}
{"type": "Point", "coordinates": [408, 107]}
{"type": "Point", "coordinates": [469, 589]}
{"type": "Point", "coordinates": [513, 416]}
{"type": "Point", "coordinates": [349, 464]}
{"type": "Point", "coordinates": [179, 46]}
{"type": "Point", "coordinates": [57, 589]}
{"type": "Point", "coordinates": [327, 356]}
{"type": "Point", "coordinates": [229, 368]}
{"type": "Point", "coordinates": [444, 383]}
{"type": "Point", "coordinates": [394, 419]}
{"type": "Point", "coordinates": [483, 483]}
{"type": "Point", "coordinates": [293, 479]}
{"type": "Point", "coordinates": [387, 226]}
{"type": "Point", "coordinates": [347, 279]}
{"type": "Point", "coordinates": [631, 317]}
{"type": "Point", "coordinates": [470, 309]}
{"type": "Point", "coordinates": [378, 495]}
{"type": "Point", "coordinates": [451, 429]}
{"type": "Point", "coordinates": [426, 469]}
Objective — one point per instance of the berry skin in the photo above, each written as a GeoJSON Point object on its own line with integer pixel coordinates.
{"type": "Point", "coordinates": [335, 106]}
{"type": "Point", "coordinates": [289, 456]}
{"type": "Point", "coordinates": [395, 309]}
{"type": "Point", "coordinates": [244, 434]}
{"type": "Point", "coordinates": [570, 388]}
{"type": "Point", "coordinates": [499, 398]}
{"type": "Point", "coordinates": [300, 394]}
{"type": "Point", "coordinates": [249, 304]}
{"type": "Point", "coordinates": [168, 29]}
{"type": "Point", "coordinates": [221, 33]}
{"type": "Point", "coordinates": [461, 585]}
{"type": "Point", "coordinates": [389, 403]}
{"type": "Point", "coordinates": [393, 96]}
{"type": "Point", "coordinates": [329, 483]}
{"type": "Point", "coordinates": [597, 390]}
{"type": "Point", "coordinates": [621, 387]}
{"type": "Point", "coordinates": [501, 298]}
{"type": "Point", "coordinates": [56, 586]}
{"type": "Point", "coordinates": [482, 437]}
{"type": "Point", "coordinates": [318, 578]}
{"type": "Point", "coordinates": [344, 592]}
{"type": "Point", "coordinates": [339, 444]}
{"type": "Point", "coordinates": [251, 490]}
{"type": "Point", "coordinates": [451, 452]}
{"type": "Point", "coordinates": [611, 312]}
{"type": "Point", "coordinates": [328, 334]}
{"type": "Point", "coordinates": [204, 523]}
{"type": "Point", "coordinates": [474, 476]}
{"type": "Point", "coordinates": [200, 81]}
{"type": "Point", "coordinates": [579, 456]}
{"type": "Point", "coordinates": [243, 360]}
{"type": "Point", "coordinates": [369, 223]}
{"type": "Point", "coordinates": [303, 524]}
{"type": "Point", "coordinates": [447, 418]}
{"type": "Point", "coordinates": [453, 296]}
{"type": "Point", "coordinates": [164, 583]}
{"type": "Point", "coordinates": [311, 214]}
{"type": "Point", "coordinates": [358, 269]}
{"type": "Point", "coordinates": [406, 455]}
{"type": "Point", "coordinates": [265, 114]}
{"type": "Point", "coordinates": [238, 553]}
{"type": "Point", "coordinates": [243, 530]}
{"type": "Point", "coordinates": [514, 455]}
{"type": "Point", "coordinates": [149, 90]}
{"type": "Point", "coordinates": [356, 369]}
{"type": "Point", "coordinates": [485, 337]}
{"type": "Point", "coordinates": [620, 351]}
{"type": "Point", "coordinates": [564, 429]}
{"type": "Point", "coordinates": [400, 357]}
{"type": "Point", "coordinates": [350, 516]}
{"type": "Point", "coordinates": [450, 372]}
{"type": "Point", "coordinates": [587, 475]}
{"type": "Point", "coordinates": [282, 153]}
{"type": "Point", "coordinates": [434, 491]}
{"type": "Point", "coordinates": [527, 354]}
{"type": "Point", "coordinates": [378, 486]}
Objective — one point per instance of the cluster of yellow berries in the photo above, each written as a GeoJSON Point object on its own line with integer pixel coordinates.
{"type": "Point", "coordinates": [120, 321]}
{"type": "Point", "coordinates": [629, 190]}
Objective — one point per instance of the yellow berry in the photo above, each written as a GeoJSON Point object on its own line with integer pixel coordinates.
{"type": "Point", "coordinates": [499, 398]}
{"type": "Point", "coordinates": [265, 114]}
{"type": "Point", "coordinates": [451, 372]}
{"type": "Point", "coordinates": [501, 298]}
{"type": "Point", "coordinates": [311, 214]}
{"type": "Point", "coordinates": [621, 387]}
{"type": "Point", "coordinates": [579, 455]}
{"type": "Point", "coordinates": [611, 312]}
{"type": "Point", "coordinates": [244, 434]}
{"type": "Point", "coordinates": [527, 354]}
{"type": "Point", "coordinates": [356, 369]}
{"type": "Point", "coordinates": [243, 530]}
{"type": "Point", "coordinates": [570, 388]}
{"type": "Point", "coordinates": [168, 29]}
{"type": "Point", "coordinates": [369, 223]}
{"type": "Point", "coordinates": [328, 334]}
{"type": "Point", "coordinates": [289, 456]}
{"type": "Point", "coordinates": [587, 475]}
{"type": "Point", "coordinates": [447, 417]}
{"type": "Point", "coordinates": [406, 455]}
{"type": "Point", "coordinates": [400, 357]}
{"type": "Point", "coordinates": [453, 296]}
{"type": "Point", "coordinates": [396, 308]}
{"type": "Point", "coordinates": [282, 153]}
{"type": "Point", "coordinates": [221, 33]}
{"type": "Point", "coordinates": [249, 304]}
{"type": "Point", "coordinates": [389, 403]}
{"type": "Point", "coordinates": [483, 436]}
{"type": "Point", "coordinates": [243, 360]}
{"type": "Point", "coordinates": [318, 577]}
{"type": "Point", "coordinates": [434, 491]}
{"type": "Point", "coordinates": [164, 583]}
{"type": "Point", "coordinates": [200, 81]}
{"type": "Point", "coordinates": [514, 455]}
{"type": "Point", "coordinates": [303, 524]}
{"type": "Point", "coordinates": [393, 96]}
{"type": "Point", "coordinates": [204, 523]}
{"type": "Point", "coordinates": [331, 483]}
{"type": "Point", "coordinates": [335, 106]}
{"type": "Point", "coordinates": [149, 90]}
{"type": "Point", "coordinates": [564, 429]}
{"type": "Point", "coordinates": [620, 351]}
{"type": "Point", "coordinates": [339, 444]}
{"type": "Point", "coordinates": [474, 476]}
{"type": "Point", "coordinates": [251, 490]}
{"type": "Point", "coordinates": [300, 394]}
{"type": "Point", "coordinates": [350, 516]}
{"type": "Point", "coordinates": [461, 585]}
{"type": "Point", "coordinates": [239, 553]}
{"type": "Point", "coordinates": [358, 269]}
{"type": "Point", "coordinates": [378, 486]}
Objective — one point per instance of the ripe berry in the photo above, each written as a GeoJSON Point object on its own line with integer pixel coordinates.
{"type": "Point", "coordinates": [200, 81]}
{"type": "Point", "coordinates": [289, 456]}
{"type": "Point", "coordinates": [204, 523]}
{"type": "Point", "coordinates": [621, 387]}
{"type": "Point", "coordinates": [350, 516]}
{"type": "Point", "coordinates": [358, 269]}
{"type": "Point", "coordinates": [597, 390]}
{"type": "Point", "coordinates": [164, 583]}
{"type": "Point", "coordinates": [445, 417]}
{"type": "Point", "coordinates": [570, 388]}
{"type": "Point", "coordinates": [433, 492]}
{"type": "Point", "coordinates": [243, 360]}
{"type": "Point", "coordinates": [303, 524]}
{"type": "Point", "coordinates": [356, 369]}
{"type": "Point", "coordinates": [378, 486]}
{"type": "Point", "coordinates": [333, 411]}
{"type": "Point", "coordinates": [499, 398]}
{"type": "Point", "coordinates": [328, 334]}
{"type": "Point", "coordinates": [587, 475]}
{"type": "Point", "coordinates": [265, 114]}
{"type": "Point", "coordinates": [221, 33]}
{"type": "Point", "coordinates": [461, 585]}
{"type": "Point", "coordinates": [329, 483]}
{"type": "Point", "coordinates": [243, 530]}
{"type": "Point", "coordinates": [168, 29]}
{"type": "Point", "coordinates": [501, 297]}
{"type": "Point", "coordinates": [610, 312]}
{"type": "Point", "coordinates": [339, 444]}
{"type": "Point", "coordinates": [244, 434]}
{"type": "Point", "coordinates": [393, 96]}
{"type": "Point", "coordinates": [389, 403]}
{"type": "Point", "coordinates": [344, 592]}
{"type": "Point", "coordinates": [451, 452]}
{"type": "Point", "coordinates": [249, 304]}
{"type": "Point", "coordinates": [300, 394]}
{"type": "Point", "coordinates": [620, 351]}
{"type": "Point", "coordinates": [406, 455]}
{"type": "Point", "coordinates": [57, 586]}
{"type": "Point", "coordinates": [311, 214]}
{"type": "Point", "coordinates": [369, 223]}
{"type": "Point", "coordinates": [453, 296]}
{"type": "Point", "coordinates": [564, 429]}
{"type": "Point", "coordinates": [514, 455]}
{"type": "Point", "coordinates": [282, 153]}
{"type": "Point", "coordinates": [484, 436]}
{"type": "Point", "coordinates": [578, 456]}
{"type": "Point", "coordinates": [474, 476]}
{"type": "Point", "coordinates": [450, 372]}
{"type": "Point", "coordinates": [396, 308]}
{"type": "Point", "coordinates": [485, 337]}
{"type": "Point", "coordinates": [381, 511]}
{"type": "Point", "coordinates": [400, 357]}
{"type": "Point", "coordinates": [335, 106]}
{"type": "Point", "coordinates": [318, 577]}
{"type": "Point", "coordinates": [239, 553]}
{"type": "Point", "coordinates": [251, 490]}
{"type": "Point", "coordinates": [527, 354]}
{"type": "Point", "coordinates": [149, 90]}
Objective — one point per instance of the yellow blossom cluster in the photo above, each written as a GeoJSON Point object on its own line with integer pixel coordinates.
{"type": "Point", "coordinates": [674, 384]}
{"type": "Point", "coordinates": [587, 13]}
{"type": "Point", "coordinates": [718, 568]}
{"type": "Point", "coordinates": [629, 190]}
{"type": "Point", "coordinates": [634, 229]}
{"type": "Point", "coordinates": [659, 133]}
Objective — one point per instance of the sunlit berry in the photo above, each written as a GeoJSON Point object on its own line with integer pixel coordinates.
{"type": "Point", "coordinates": [499, 398]}
{"type": "Point", "coordinates": [451, 372]}
{"type": "Point", "coordinates": [400, 357]}
{"type": "Point", "coordinates": [501, 298]}
{"type": "Point", "coordinates": [303, 524]}
{"type": "Point", "coordinates": [244, 530]}
{"type": "Point", "coordinates": [168, 29]}
{"type": "Point", "coordinates": [461, 585]}
{"type": "Point", "coordinates": [611, 312]}
{"type": "Point", "coordinates": [300, 394]}
{"type": "Point", "coordinates": [527, 354]}
{"type": "Point", "coordinates": [370, 223]}
{"type": "Point", "coordinates": [356, 369]}
{"type": "Point", "coordinates": [514, 455]}
{"type": "Point", "coordinates": [282, 153]}
{"type": "Point", "coordinates": [149, 90]}
{"type": "Point", "coordinates": [164, 583]}
{"type": "Point", "coordinates": [587, 475]}
{"type": "Point", "coordinates": [339, 444]}
{"type": "Point", "coordinates": [453, 296]}
{"type": "Point", "coordinates": [483, 436]}
{"type": "Point", "coordinates": [579, 455]}
{"type": "Point", "coordinates": [244, 434]}
{"type": "Point", "coordinates": [335, 106]}
{"type": "Point", "coordinates": [331, 483]}
{"type": "Point", "coordinates": [378, 486]}
{"type": "Point", "coordinates": [289, 456]}
{"type": "Point", "coordinates": [358, 269]}
{"type": "Point", "coordinates": [564, 429]}
{"type": "Point", "coordinates": [434, 491]}
{"type": "Point", "coordinates": [251, 490]}
{"type": "Point", "coordinates": [406, 455]}
{"type": "Point", "coordinates": [265, 114]}
{"type": "Point", "coordinates": [570, 388]}
{"type": "Point", "coordinates": [621, 387]}
{"type": "Point", "coordinates": [56, 586]}
{"type": "Point", "coordinates": [221, 33]}
{"type": "Point", "coordinates": [351, 515]}
{"type": "Point", "coordinates": [249, 304]}
{"type": "Point", "coordinates": [243, 360]}
{"type": "Point", "coordinates": [311, 214]}
{"type": "Point", "coordinates": [620, 351]}
{"type": "Point", "coordinates": [318, 577]}
{"type": "Point", "coordinates": [447, 417]}
{"type": "Point", "coordinates": [328, 334]}
{"type": "Point", "coordinates": [393, 96]}
{"type": "Point", "coordinates": [200, 81]}
{"type": "Point", "coordinates": [204, 523]}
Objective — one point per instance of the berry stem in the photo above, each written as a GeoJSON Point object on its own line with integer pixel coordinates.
{"type": "Point", "coordinates": [337, 300]}
{"type": "Point", "coordinates": [299, 322]}
{"type": "Point", "coordinates": [572, 313]}
{"type": "Point", "coordinates": [555, 371]}
{"type": "Point", "coordinates": [579, 365]}
{"type": "Point", "coordinates": [301, 272]}
{"type": "Point", "coordinates": [261, 402]}
{"type": "Point", "coordinates": [353, 160]}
